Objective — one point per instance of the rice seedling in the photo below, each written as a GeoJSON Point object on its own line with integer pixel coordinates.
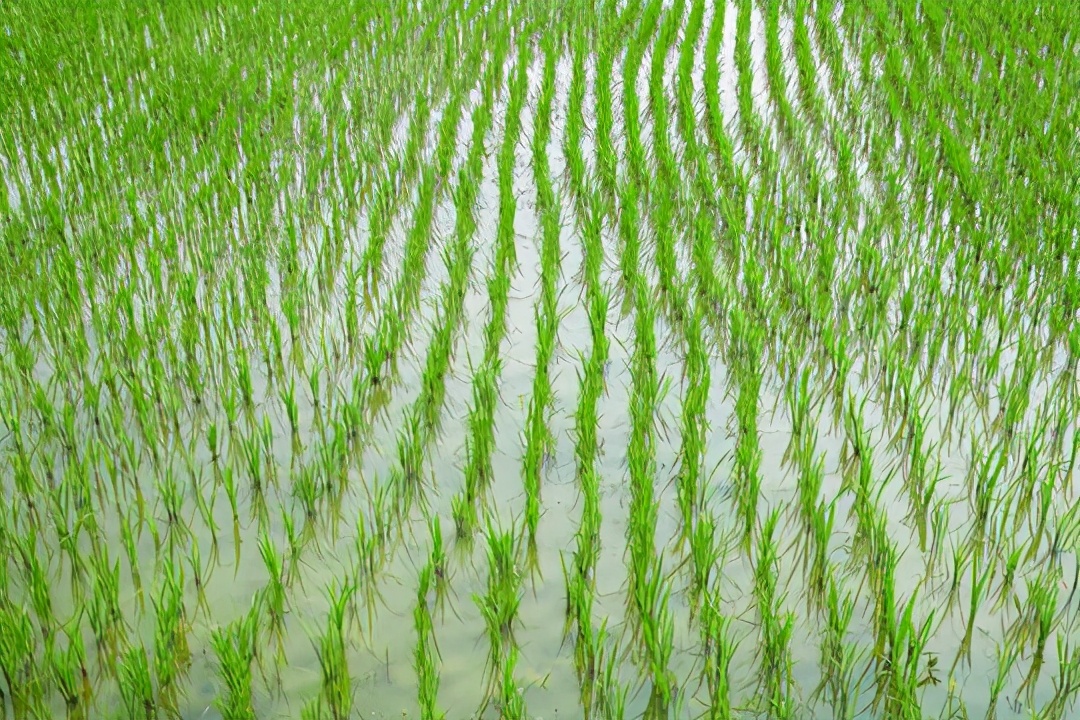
{"type": "Point", "coordinates": [427, 672]}
{"type": "Point", "coordinates": [172, 649]}
{"type": "Point", "coordinates": [25, 690]}
{"type": "Point", "coordinates": [499, 606]}
{"type": "Point", "coordinates": [136, 687]}
{"type": "Point", "coordinates": [336, 697]}
{"type": "Point", "coordinates": [776, 627]}
{"type": "Point", "coordinates": [235, 648]}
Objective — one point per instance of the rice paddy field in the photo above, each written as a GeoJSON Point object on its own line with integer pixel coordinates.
{"type": "Point", "coordinates": [581, 359]}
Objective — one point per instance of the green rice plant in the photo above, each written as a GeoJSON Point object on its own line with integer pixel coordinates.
{"type": "Point", "coordinates": [750, 122]}
{"type": "Point", "coordinates": [694, 425]}
{"type": "Point", "coordinates": [631, 111]}
{"type": "Point", "coordinates": [589, 641]}
{"type": "Point", "coordinates": [707, 553]}
{"type": "Point", "coordinates": [499, 605]}
{"type": "Point", "coordinates": [410, 459]}
{"type": "Point", "coordinates": [293, 554]}
{"type": "Point", "coordinates": [172, 651]}
{"type": "Point", "coordinates": [205, 507]}
{"type": "Point", "coordinates": [103, 611]}
{"type": "Point", "coordinates": [817, 551]}
{"type": "Point", "coordinates": [776, 626]}
{"type": "Point", "coordinates": [1006, 656]}
{"type": "Point", "coordinates": [839, 658]}
{"type": "Point", "coordinates": [427, 672]}
{"type": "Point", "coordinates": [1035, 623]}
{"type": "Point", "coordinates": [176, 528]}
{"type": "Point", "coordinates": [336, 695]}
{"type": "Point", "coordinates": [657, 633]}
{"type": "Point", "coordinates": [1066, 681]}
{"type": "Point", "coordinates": [136, 687]}
{"type": "Point", "coordinates": [25, 685]}
{"type": "Point", "coordinates": [606, 159]}
{"type": "Point", "coordinates": [234, 645]}
{"type": "Point", "coordinates": [67, 537]}
{"type": "Point", "coordinates": [687, 116]}
{"type": "Point", "coordinates": [907, 676]}
{"type": "Point", "coordinates": [199, 576]}
{"type": "Point", "coordinates": [288, 400]}
{"type": "Point", "coordinates": [575, 160]}
{"type": "Point", "coordinates": [274, 592]}
{"type": "Point", "coordinates": [465, 518]}
{"type": "Point", "coordinates": [719, 650]}
{"type": "Point", "coordinates": [68, 671]}
{"type": "Point", "coordinates": [789, 124]}
{"type": "Point", "coordinates": [980, 578]}
{"type": "Point", "coordinates": [481, 439]}
{"type": "Point", "coordinates": [36, 577]}
{"type": "Point", "coordinates": [747, 455]}
{"type": "Point", "coordinates": [438, 560]}
{"type": "Point", "coordinates": [613, 694]}
{"type": "Point", "coordinates": [511, 702]}
{"type": "Point", "coordinates": [983, 486]}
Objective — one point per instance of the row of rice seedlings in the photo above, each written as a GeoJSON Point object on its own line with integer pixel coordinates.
{"type": "Point", "coordinates": [815, 516]}
{"type": "Point", "coordinates": [751, 125]}
{"type": "Point", "coordinates": [481, 421]}
{"type": "Point", "coordinates": [426, 652]}
{"type": "Point", "coordinates": [718, 647]}
{"type": "Point", "coordinates": [574, 127]}
{"type": "Point", "coordinates": [172, 655]}
{"type": "Point", "coordinates": [668, 202]}
{"type": "Point", "coordinates": [274, 594]}
{"type": "Point", "coordinates": [692, 480]}
{"type": "Point", "coordinates": [839, 658]}
{"type": "Point", "coordinates": [335, 699]}
{"type": "Point", "coordinates": [236, 648]}
{"type": "Point", "coordinates": [776, 626]}
{"type": "Point", "coordinates": [593, 384]}
{"type": "Point", "coordinates": [459, 264]}
{"type": "Point", "coordinates": [405, 483]}
{"type": "Point", "coordinates": [499, 607]}
{"type": "Point", "coordinates": [732, 205]}
{"type": "Point", "coordinates": [589, 641]}
{"type": "Point", "coordinates": [603, 133]}
{"type": "Point", "coordinates": [383, 346]}
{"type": "Point", "coordinates": [648, 613]}
{"type": "Point", "coordinates": [696, 157]}
{"type": "Point", "coordinates": [746, 344]}
{"type": "Point", "coordinates": [811, 98]}
{"type": "Point", "coordinates": [686, 117]}
{"type": "Point", "coordinates": [480, 442]}
{"type": "Point", "coordinates": [425, 411]}
{"type": "Point", "coordinates": [635, 55]}
{"type": "Point", "coordinates": [539, 442]}
{"type": "Point", "coordinates": [790, 127]}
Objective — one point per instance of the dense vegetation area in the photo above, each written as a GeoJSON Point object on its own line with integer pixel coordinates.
{"type": "Point", "coordinates": [602, 358]}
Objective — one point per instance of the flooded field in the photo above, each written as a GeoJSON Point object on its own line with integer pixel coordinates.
{"type": "Point", "coordinates": [453, 359]}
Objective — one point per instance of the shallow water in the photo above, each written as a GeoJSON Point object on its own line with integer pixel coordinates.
{"type": "Point", "coordinates": [380, 627]}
